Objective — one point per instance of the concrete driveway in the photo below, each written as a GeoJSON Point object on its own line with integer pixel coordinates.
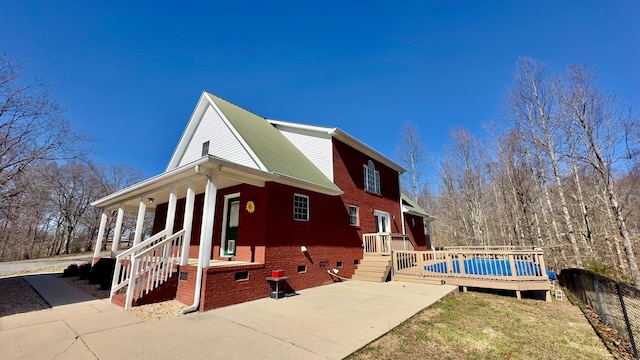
{"type": "Point", "coordinates": [326, 322]}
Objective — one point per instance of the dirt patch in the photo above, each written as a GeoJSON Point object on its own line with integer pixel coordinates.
{"type": "Point", "coordinates": [17, 297]}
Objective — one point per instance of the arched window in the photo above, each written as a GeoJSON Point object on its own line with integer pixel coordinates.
{"type": "Point", "coordinates": [371, 178]}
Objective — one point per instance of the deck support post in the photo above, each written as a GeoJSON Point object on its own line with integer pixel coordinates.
{"type": "Point", "coordinates": [117, 232]}
{"type": "Point", "coordinates": [518, 295]}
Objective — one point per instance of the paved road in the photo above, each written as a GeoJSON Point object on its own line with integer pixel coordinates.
{"type": "Point", "coordinates": [34, 266]}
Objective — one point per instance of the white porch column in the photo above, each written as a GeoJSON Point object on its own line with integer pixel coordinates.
{"type": "Point", "coordinates": [117, 233]}
{"type": "Point", "coordinates": [208, 216]}
{"type": "Point", "coordinates": [171, 212]}
{"type": "Point", "coordinates": [103, 225]}
{"type": "Point", "coordinates": [142, 209]}
{"type": "Point", "coordinates": [187, 224]}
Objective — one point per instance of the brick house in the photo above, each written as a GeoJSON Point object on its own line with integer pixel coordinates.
{"type": "Point", "coordinates": [242, 196]}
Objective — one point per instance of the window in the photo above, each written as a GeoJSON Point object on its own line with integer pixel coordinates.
{"type": "Point", "coordinates": [241, 275]}
{"type": "Point", "coordinates": [205, 148]}
{"type": "Point", "coordinates": [353, 215]}
{"type": "Point", "coordinates": [302, 268]}
{"type": "Point", "coordinates": [339, 264]}
{"type": "Point", "coordinates": [300, 207]}
{"type": "Point", "coordinates": [371, 178]}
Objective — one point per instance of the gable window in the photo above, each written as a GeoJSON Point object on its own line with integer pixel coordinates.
{"type": "Point", "coordinates": [353, 215]}
{"type": "Point", "coordinates": [205, 148]}
{"type": "Point", "coordinates": [300, 207]}
{"type": "Point", "coordinates": [371, 178]}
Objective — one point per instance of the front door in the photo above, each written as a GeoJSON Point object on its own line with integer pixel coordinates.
{"type": "Point", "coordinates": [230, 238]}
{"type": "Point", "coordinates": [382, 221]}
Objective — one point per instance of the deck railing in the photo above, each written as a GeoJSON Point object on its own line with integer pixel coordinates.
{"type": "Point", "coordinates": [490, 248]}
{"type": "Point", "coordinates": [377, 243]}
{"type": "Point", "coordinates": [384, 243]}
{"type": "Point", "coordinates": [147, 265]}
{"type": "Point", "coordinates": [511, 265]}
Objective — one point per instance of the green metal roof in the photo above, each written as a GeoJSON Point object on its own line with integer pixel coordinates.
{"type": "Point", "coordinates": [272, 148]}
{"type": "Point", "coordinates": [412, 206]}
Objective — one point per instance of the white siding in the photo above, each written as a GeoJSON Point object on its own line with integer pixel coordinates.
{"type": "Point", "coordinates": [222, 141]}
{"type": "Point", "coordinates": [314, 145]}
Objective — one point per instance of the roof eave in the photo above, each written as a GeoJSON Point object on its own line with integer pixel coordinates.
{"type": "Point", "coordinates": [366, 149]}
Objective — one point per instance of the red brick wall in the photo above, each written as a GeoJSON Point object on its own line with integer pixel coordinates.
{"type": "Point", "coordinates": [327, 237]}
{"type": "Point", "coordinates": [414, 227]}
{"type": "Point", "coordinates": [221, 289]}
{"type": "Point", "coordinates": [250, 245]}
{"type": "Point", "coordinates": [186, 288]}
{"type": "Point", "coordinates": [348, 175]}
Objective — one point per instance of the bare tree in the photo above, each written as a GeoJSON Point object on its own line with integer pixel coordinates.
{"type": "Point", "coordinates": [32, 128]}
{"type": "Point", "coordinates": [413, 156]}
{"type": "Point", "coordinates": [604, 131]}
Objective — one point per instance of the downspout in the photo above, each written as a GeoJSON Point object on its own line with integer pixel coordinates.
{"type": "Point", "coordinates": [201, 254]}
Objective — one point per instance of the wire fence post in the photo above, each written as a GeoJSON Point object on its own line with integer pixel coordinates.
{"type": "Point", "coordinates": [627, 322]}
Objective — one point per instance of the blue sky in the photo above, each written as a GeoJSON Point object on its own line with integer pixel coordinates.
{"type": "Point", "coordinates": [130, 73]}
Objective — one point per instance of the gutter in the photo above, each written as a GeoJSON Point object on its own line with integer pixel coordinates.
{"type": "Point", "coordinates": [201, 255]}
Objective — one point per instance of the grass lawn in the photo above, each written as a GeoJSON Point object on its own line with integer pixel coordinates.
{"type": "Point", "coordinates": [487, 326]}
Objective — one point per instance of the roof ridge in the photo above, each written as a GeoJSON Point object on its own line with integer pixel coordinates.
{"type": "Point", "coordinates": [236, 105]}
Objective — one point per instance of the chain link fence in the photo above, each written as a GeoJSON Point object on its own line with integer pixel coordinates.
{"type": "Point", "coordinates": [618, 305]}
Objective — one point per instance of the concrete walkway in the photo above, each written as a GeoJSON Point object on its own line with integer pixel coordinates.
{"type": "Point", "coordinates": [326, 322]}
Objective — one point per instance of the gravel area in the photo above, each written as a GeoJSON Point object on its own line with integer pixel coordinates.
{"type": "Point", "coordinates": [17, 296]}
{"type": "Point", "coordinates": [157, 311]}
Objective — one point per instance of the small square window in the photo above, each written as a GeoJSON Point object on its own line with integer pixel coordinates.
{"type": "Point", "coordinates": [300, 207]}
{"type": "Point", "coordinates": [353, 215]}
{"type": "Point", "coordinates": [302, 268]}
{"type": "Point", "coordinates": [356, 262]}
{"type": "Point", "coordinates": [339, 264]}
{"type": "Point", "coordinates": [205, 148]}
{"type": "Point", "coordinates": [241, 275]}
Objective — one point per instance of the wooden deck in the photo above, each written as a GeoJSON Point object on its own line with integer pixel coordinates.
{"type": "Point", "coordinates": [505, 268]}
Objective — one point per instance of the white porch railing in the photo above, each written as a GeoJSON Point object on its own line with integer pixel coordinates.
{"type": "Point", "coordinates": [147, 265]}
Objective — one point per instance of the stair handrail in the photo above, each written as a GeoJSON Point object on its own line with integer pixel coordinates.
{"type": "Point", "coordinates": [123, 262]}
{"type": "Point", "coordinates": [152, 268]}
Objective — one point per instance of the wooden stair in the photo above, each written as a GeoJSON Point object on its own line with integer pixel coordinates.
{"type": "Point", "coordinates": [374, 268]}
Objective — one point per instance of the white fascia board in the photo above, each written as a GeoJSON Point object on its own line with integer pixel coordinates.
{"type": "Point", "coordinates": [147, 185]}
{"type": "Point", "coordinates": [188, 132]}
{"type": "Point", "coordinates": [244, 144]}
{"type": "Point", "coordinates": [303, 184]}
{"type": "Point", "coordinates": [318, 129]}
{"type": "Point", "coordinates": [427, 217]}
{"type": "Point", "coordinates": [216, 166]}
{"type": "Point", "coordinates": [366, 149]}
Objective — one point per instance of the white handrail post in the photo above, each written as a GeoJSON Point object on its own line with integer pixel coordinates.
{"type": "Point", "coordinates": [132, 283]}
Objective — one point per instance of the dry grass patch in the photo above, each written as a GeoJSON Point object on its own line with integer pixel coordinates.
{"type": "Point", "coordinates": [487, 326]}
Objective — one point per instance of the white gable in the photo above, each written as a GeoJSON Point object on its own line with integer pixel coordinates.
{"type": "Point", "coordinates": [223, 142]}
{"type": "Point", "coordinates": [315, 145]}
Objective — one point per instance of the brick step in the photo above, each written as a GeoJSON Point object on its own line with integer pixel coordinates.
{"type": "Point", "coordinates": [164, 292]}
